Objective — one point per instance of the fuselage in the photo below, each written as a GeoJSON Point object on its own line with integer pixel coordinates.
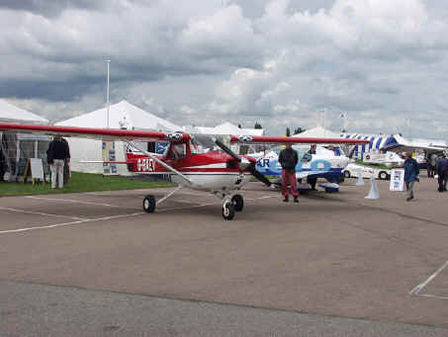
{"type": "Point", "coordinates": [209, 171]}
{"type": "Point", "coordinates": [324, 164]}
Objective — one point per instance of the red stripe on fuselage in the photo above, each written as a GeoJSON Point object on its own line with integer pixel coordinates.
{"type": "Point", "coordinates": [193, 163]}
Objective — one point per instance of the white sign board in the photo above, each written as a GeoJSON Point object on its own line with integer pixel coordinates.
{"type": "Point", "coordinates": [37, 168]}
{"type": "Point", "coordinates": [397, 180]}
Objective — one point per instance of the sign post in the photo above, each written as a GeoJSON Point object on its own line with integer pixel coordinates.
{"type": "Point", "coordinates": [35, 169]}
{"type": "Point", "coordinates": [397, 180]}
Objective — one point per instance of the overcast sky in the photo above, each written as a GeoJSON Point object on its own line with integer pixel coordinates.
{"type": "Point", "coordinates": [202, 62]}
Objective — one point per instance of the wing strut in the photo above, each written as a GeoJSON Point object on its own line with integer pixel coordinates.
{"type": "Point", "coordinates": [161, 162]}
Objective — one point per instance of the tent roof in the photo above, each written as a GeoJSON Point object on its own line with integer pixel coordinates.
{"type": "Point", "coordinates": [228, 128]}
{"type": "Point", "coordinates": [9, 112]}
{"type": "Point", "coordinates": [121, 115]}
{"type": "Point", "coordinates": [317, 132]}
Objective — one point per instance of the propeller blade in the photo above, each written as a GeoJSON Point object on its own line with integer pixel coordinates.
{"type": "Point", "coordinates": [227, 150]}
{"type": "Point", "coordinates": [261, 177]}
{"type": "Point", "coordinates": [243, 166]}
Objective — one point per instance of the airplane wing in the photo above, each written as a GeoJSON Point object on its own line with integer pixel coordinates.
{"type": "Point", "coordinates": [128, 136]}
{"type": "Point", "coordinates": [294, 140]}
{"type": "Point", "coordinates": [96, 133]}
{"type": "Point", "coordinates": [136, 135]}
{"type": "Point", "coordinates": [402, 144]}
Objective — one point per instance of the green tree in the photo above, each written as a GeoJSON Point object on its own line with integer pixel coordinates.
{"type": "Point", "coordinates": [257, 126]}
{"type": "Point", "coordinates": [298, 130]}
{"type": "Point", "coordinates": [288, 132]}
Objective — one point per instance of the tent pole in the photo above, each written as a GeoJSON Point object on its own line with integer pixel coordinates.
{"type": "Point", "coordinates": [107, 93]}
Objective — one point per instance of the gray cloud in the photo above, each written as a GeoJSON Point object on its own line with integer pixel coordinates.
{"type": "Point", "coordinates": [278, 62]}
{"type": "Point", "coordinates": [52, 8]}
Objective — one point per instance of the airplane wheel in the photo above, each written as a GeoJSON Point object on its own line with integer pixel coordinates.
{"type": "Point", "coordinates": [238, 202]}
{"type": "Point", "coordinates": [383, 175]}
{"type": "Point", "coordinates": [149, 204]}
{"type": "Point", "coordinates": [228, 210]}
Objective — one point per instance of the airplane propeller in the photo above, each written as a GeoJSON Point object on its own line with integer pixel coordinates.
{"type": "Point", "coordinates": [250, 166]}
{"type": "Point", "coordinates": [228, 150]}
{"type": "Point", "coordinates": [261, 177]}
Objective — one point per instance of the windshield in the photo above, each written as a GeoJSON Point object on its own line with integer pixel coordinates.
{"type": "Point", "coordinates": [201, 143]}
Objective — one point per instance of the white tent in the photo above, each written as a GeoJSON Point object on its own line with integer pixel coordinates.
{"type": "Point", "coordinates": [11, 113]}
{"type": "Point", "coordinates": [122, 115]}
{"type": "Point", "coordinates": [317, 132]}
{"type": "Point", "coordinates": [15, 147]}
{"type": "Point", "coordinates": [228, 128]}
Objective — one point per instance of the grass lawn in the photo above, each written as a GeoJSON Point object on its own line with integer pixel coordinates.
{"type": "Point", "coordinates": [79, 182]}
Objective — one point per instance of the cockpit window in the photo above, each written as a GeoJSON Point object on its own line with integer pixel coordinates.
{"type": "Point", "coordinates": [179, 151]}
{"type": "Point", "coordinates": [195, 147]}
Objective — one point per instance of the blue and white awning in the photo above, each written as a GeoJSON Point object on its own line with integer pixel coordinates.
{"type": "Point", "coordinates": [376, 142]}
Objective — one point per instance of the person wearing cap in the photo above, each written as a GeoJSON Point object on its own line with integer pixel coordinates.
{"type": "Point", "coordinates": [411, 172]}
{"type": "Point", "coordinates": [288, 159]}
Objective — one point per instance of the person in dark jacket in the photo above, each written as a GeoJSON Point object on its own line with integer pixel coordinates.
{"type": "Point", "coordinates": [431, 164]}
{"type": "Point", "coordinates": [311, 180]}
{"type": "Point", "coordinates": [411, 172]}
{"type": "Point", "coordinates": [3, 155]}
{"type": "Point", "coordinates": [67, 173]}
{"type": "Point", "coordinates": [442, 172]}
{"type": "Point", "coordinates": [57, 153]}
{"type": "Point", "coordinates": [288, 159]}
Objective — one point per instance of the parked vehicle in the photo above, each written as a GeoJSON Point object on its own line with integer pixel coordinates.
{"type": "Point", "coordinates": [352, 171]}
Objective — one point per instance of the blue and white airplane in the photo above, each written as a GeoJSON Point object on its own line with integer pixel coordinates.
{"type": "Point", "coordinates": [326, 163]}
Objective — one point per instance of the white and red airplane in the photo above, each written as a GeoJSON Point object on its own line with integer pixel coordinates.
{"type": "Point", "coordinates": [221, 173]}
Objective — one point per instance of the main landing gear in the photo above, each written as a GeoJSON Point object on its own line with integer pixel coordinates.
{"type": "Point", "coordinates": [149, 204]}
{"type": "Point", "coordinates": [231, 203]}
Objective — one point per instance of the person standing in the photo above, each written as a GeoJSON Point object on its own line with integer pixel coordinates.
{"type": "Point", "coordinates": [442, 172]}
{"type": "Point", "coordinates": [67, 172]}
{"type": "Point", "coordinates": [57, 153]}
{"type": "Point", "coordinates": [411, 172]}
{"type": "Point", "coordinates": [311, 180]}
{"type": "Point", "coordinates": [288, 159]}
{"type": "Point", "coordinates": [3, 156]}
{"type": "Point", "coordinates": [431, 163]}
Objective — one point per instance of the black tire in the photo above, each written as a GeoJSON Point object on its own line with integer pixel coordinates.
{"type": "Point", "coordinates": [347, 174]}
{"type": "Point", "coordinates": [238, 202]}
{"type": "Point", "coordinates": [383, 175]}
{"type": "Point", "coordinates": [228, 210]}
{"type": "Point", "coordinates": [149, 204]}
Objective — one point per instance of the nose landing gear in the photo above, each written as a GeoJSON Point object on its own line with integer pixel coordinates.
{"type": "Point", "coordinates": [228, 210]}
{"type": "Point", "coordinates": [232, 205]}
{"type": "Point", "coordinates": [238, 202]}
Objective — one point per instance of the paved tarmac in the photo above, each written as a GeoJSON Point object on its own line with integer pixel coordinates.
{"type": "Point", "coordinates": [93, 264]}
